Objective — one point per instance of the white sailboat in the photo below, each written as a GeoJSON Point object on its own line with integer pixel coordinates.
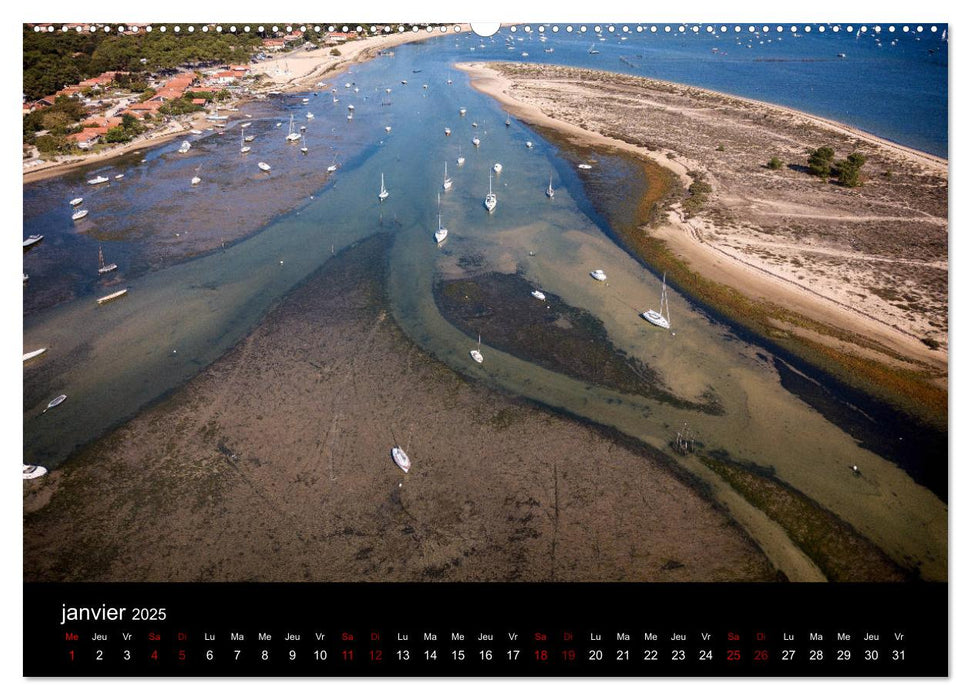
{"type": "Point", "coordinates": [55, 402]}
{"type": "Point", "coordinates": [441, 233]}
{"type": "Point", "coordinates": [34, 353]}
{"type": "Point", "coordinates": [461, 159]}
{"type": "Point", "coordinates": [660, 318]}
{"type": "Point", "coordinates": [292, 136]}
{"type": "Point", "coordinates": [550, 192]}
{"type": "Point", "coordinates": [333, 166]}
{"type": "Point", "coordinates": [447, 182]}
{"type": "Point", "coordinates": [114, 295]}
{"type": "Point", "coordinates": [538, 294]}
{"type": "Point", "coordinates": [497, 168]}
{"type": "Point", "coordinates": [448, 132]}
{"type": "Point", "coordinates": [102, 268]}
{"type": "Point", "coordinates": [243, 148]}
{"type": "Point", "coordinates": [599, 275]}
{"type": "Point", "coordinates": [263, 166]}
{"type": "Point", "coordinates": [77, 201]}
{"type": "Point", "coordinates": [195, 178]}
{"type": "Point", "coordinates": [32, 239]}
{"type": "Point", "coordinates": [383, 194]}
{"type": "Point", "coordinates": [32, 471]}
{"type": "Point", "coordinates": [475, 141]}
{"type": "Point", "coordinates": [490, 200]}
{"type": "Point", "coordinates": [462, 112]}
{"type": "Point", "coordinates": [477, 353]}
{"type": "Point", "coordinates": [98, 180]}
{"type": "Point", "coordinates": [184, 148]}
{"type": "Point", "coordinates": [507, 119]}
{"type": "Point", "coordinates": [79, 214]}
{"type": "Point", "coordinates": [400, 458]}
{"type": "Point", "coordinates": [303, 142]}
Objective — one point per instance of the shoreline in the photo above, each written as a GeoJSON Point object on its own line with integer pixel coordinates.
{"type": "Point", "coordinates": [323, 66]}
{"type": "Point", "coordinates": [690, 240]}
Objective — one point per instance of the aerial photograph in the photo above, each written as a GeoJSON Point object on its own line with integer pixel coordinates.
{"type": "Point", "coordinates": [585, 302]}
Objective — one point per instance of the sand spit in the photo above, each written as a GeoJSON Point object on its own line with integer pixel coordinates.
{"type": "Point", "coordinates": [274, 464]}
{"type": "Point", "coordinates": [871, 260]}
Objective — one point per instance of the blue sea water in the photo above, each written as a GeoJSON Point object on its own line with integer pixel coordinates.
{"type": "Point", "coordinates": [893, 84]}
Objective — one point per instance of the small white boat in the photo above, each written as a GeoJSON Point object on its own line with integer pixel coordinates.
{"type": "Point", "coordinates": [32, 471]}
{"type": "Point", "coordinates": [26, 277]}
{"type": "Point", "coordinates": [118, 177]}
{"type": "Point", "coordinates": [306, 100]}
{"type": "Point", "coordinates": [184, 148]}
{"type": "Point", "coordinates": [32, 239]}
{"type": "Point", "coordinates": [195, 180]}
{"type": "Point", "coordinates": [477, 353]}
{"type": "Point", "coordinates": [303, 128]}
{"type": "Point", "coordinates": [584, 166]}
{"type": "Point", "coordinates": [98, 180]}
{"type": "Point", "coordinates": [292, 136]}
{"type": "Point", "coordinates": [490, 200]}
{"type": "Point", "coordinates": [55, 402]}
{"type": "Point", "coordinates": [475, 125]}
{"type": "Point", "coordinates": [79, 214]}
{"type": "Point", "coordinates": [246, 125]}
{"type": "Point", "coordinates": [497, 168]}
{"type": "Point", "coordinates": [263, 166]}
{"type": "Point", "coordinates": [550, 192]}
{"type": "Point", "coordinates": [102, 268]}
{"type": "Point", "coordinates": [34, 353]}
{"type": "Point", "coordinates": [461, 159]}
{"type": "Point", "coordinates": [424, 86]}
{"type": "Point", "coordinates": [77, 201]}
{"type": "Point", "coordinates": [350, 117]}
{"type": "Point", "coordinates": [113, 295]}
{"type": "Point", "coordinates": [538, 294]}
{"type": "Point", "coordinates": [197, 132]}
{"type": "Point", "coordinates": [661, 318]}
{"type": "Point", "coordinates": [383, 194]}
{"type": "Point", "coordinates": [400, 458]}
{"type": "Point", "coordinates": [507, 119]}
{"type": "Point", "coordinates": [249, 139]}
{"type": "Point", "coordinates": [462, 112]}
{"type": "Point", "coordinates": [447, 182]}
{"type": "Point", "coordinates": [599, 275]}
{"type": "Point", "coordinates": [279, 124]}
{"type": "Point", "coordinates": [310, 116]}
{"type": "Point", "coordinates": [529, 144]}
{"type": "Point", "coordinates": [448, 132]}
{"type": "Point", "coordinates": [441, 232]}
{"type": "Point", "coordinates": [350, 108]}
{"type": "Point", "coordinates": [387, 129]}
{"type": "Point", "coordinates": [475, 141]}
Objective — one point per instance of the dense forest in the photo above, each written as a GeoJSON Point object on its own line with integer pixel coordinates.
{"type": "Point", "coordinates": [55, 59]}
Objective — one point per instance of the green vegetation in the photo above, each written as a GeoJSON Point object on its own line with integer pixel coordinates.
{"type": "Point", "coordinates": [821, 161]}
{"type": "Point", "coordinates": [55, 59]}
{"type": "Point", "coordinates": [182, 105]}
{"type": "Point", "coordinates": [833, 545]}
{"type": "Point", "coordinates": [848, 171]}
{"type": "Point", "coordinates": [774, 164]}
{"type": "Point", "coordinates": [129, 129]}
{"type": "Point", "coordinates": [59, 120]}
{"type": "Point", "coordinates": [335, 51]}
{"type": "Point", "coordinates": [697, 195]}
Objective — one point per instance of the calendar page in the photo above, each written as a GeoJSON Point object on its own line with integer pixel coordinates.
{"type": "Point", "coordinates": [527, 348]}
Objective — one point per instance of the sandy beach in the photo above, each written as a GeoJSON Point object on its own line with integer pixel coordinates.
{"type": "Point", "coordinates": [869, 261]}
{"type": "Point", "coordinates": [274, 464]}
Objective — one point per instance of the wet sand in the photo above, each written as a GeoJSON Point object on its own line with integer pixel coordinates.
{"type": "Point", "coordinates": [274, 464]}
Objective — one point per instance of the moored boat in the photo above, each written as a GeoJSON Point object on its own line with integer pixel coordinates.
{"type": "Point", "coordinates": [400, 458]}
{"type": "Point", "coordinates": [32, 239]}
{"type": "Point", "coordinates": [113, 295]}
{"type": "Point", "coordinates": [34, 353]}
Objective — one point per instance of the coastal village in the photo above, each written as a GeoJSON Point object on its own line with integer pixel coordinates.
{"type": "Point", "coordinates": [116, 109]}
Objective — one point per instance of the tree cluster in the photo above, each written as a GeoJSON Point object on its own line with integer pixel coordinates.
{"type": "Point", "coordinates": [847, 172]}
